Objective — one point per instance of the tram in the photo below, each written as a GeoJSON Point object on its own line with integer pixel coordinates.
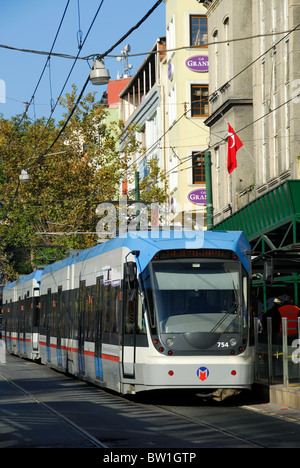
{"type": "Point", "coordinates": [146, 310]}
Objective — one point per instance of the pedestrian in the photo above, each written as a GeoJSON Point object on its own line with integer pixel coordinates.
{"type": "Point", "coordinates": [276, 318]}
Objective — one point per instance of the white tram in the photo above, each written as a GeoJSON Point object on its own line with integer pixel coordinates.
{"type": "Point", "coordinates": [147, 310]}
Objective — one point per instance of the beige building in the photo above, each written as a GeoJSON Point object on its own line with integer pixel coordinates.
{"type": "Point", "coordinates": [187, 106]}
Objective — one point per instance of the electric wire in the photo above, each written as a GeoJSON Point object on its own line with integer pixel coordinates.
{"type": "Point", "coordinates": [68, 76]}
{"type": "Point", "coordinates": [175, 49]}
{"type": "Point", "coordinates": [48, 58]}
{"type": "Point", "coordinates": [234, 77]}
{"type": "Point", "coordinates": [53, 108]}
{"type": "Point", "coordinates": [222, 140]}
{"type": "Point", "coordinates": [136, 26]}
{"type": "Point", "coordinates": [100, 57]}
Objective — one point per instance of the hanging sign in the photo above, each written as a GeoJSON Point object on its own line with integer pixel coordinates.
{"type": "Point", "coordinates": [198, 196]}
{"type": "Point", "coordinates": [198, 63]}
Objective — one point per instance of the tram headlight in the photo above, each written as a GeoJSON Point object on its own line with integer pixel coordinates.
{"type": "Point", "coordinates": [232, 342]}
{"type": "Point", "coordinates": [170, 342]}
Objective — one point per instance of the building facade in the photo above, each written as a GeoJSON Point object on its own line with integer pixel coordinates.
{"type": "Point", "coordinates": [187, 107]}
{"type": "Point", "coordinates": [231, 100]}
{"type": "Point", "coordinates": [254, 85]}
{"type": "Point", "coordinates": [142, 106]}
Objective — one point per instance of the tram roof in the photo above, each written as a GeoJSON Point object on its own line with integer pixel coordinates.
{"type": "Point", "coordinates": [148, 243]}
{"type": "Point", "coordinates": [23, 279]}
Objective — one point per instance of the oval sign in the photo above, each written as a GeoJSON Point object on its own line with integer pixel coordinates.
{"type": "Point", "coordinates": [198, 196]}
{"type": "Point", "coordinates": [198, 63]}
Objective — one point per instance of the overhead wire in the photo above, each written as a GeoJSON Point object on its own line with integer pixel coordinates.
{"type": "Point", "coordinates": [234, 77]}
{"type": "Point", "coordinates": [100, 57]}
{"type": "Point", "coordinates": [39, 80]}
{"type": "Point", "coordinates": [53, 108]}
{"type": "Point", "coordinates": [69, 74]}
{"type": "Point", "coordinates": [175, 49]}
{"type": "Point", "coordinates": [48, 58]}
{"type": "Point", "coordinates": [222, 140]}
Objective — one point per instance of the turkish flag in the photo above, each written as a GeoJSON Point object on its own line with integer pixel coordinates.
{"type": "Point", "coordinates": [234, 144]}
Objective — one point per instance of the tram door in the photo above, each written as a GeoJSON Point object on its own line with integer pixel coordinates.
{"type": "Point", "coordinates": [81, 320]}
{"type": "Point", "coordinates": [59, 325]}
{"type": "Point", "coordinates": [49, 318]}
{"type": "Point", "coordinates": [98, 329]}
{"type": "Point", "coordinates": [130, 306]}
{"type": "Point", "coordinates": [35, 319]}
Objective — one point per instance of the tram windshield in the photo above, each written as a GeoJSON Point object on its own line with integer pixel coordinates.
{"type": "Point", "coordinates": [198, 296]}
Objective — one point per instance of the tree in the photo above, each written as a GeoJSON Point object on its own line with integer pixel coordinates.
{"type": "Point", "coordinates": [56, 211]}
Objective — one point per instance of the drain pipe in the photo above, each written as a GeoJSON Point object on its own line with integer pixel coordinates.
{"type": "Point", "coordinates": [208, 182]}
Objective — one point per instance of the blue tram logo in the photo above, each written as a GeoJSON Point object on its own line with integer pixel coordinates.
{"type": "Point", "coordinates": [202, 373]}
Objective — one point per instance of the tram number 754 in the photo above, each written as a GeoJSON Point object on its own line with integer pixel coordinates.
{"type": "Point", "coordinates": [223, 344]}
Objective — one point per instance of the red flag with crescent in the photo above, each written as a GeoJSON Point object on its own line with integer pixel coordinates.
{"type": "Point", "coordinates": [234, 144]}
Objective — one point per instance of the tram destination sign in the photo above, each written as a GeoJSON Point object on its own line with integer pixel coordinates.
{"type": "Point", "coordinates": [195, 253]}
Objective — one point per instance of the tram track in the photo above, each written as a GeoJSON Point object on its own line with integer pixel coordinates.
{"type": "Point", "coordinates": [203, 423]}
{"type": "Point", "coordinates": [104, 420]}
{"type": "Point", "coordinates": [92, 440]}
{"type": "Point", "coordinates": [54, 410]}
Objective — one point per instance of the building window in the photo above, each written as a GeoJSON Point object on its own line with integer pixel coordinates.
{"type": "Point", "coordinates": [199, 98]}
{"type": "Point", "coordinates": [171, 40]}
{"type": "Point", "coordinates": [198, 168]}
{"type": "Point", "coordinates": [198, 31]}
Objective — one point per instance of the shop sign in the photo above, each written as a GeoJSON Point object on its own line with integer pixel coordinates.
{"type": "Point", "coordinates": [198, 63]}
{"type": "Point", "coordinates": [198, 196]}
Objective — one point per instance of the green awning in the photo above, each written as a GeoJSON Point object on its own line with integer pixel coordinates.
{"type": "Point", "coordinates": [274, 216]}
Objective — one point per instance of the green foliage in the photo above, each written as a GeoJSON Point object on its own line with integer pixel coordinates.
{"type": "Point", "coordinates": [55, 212]}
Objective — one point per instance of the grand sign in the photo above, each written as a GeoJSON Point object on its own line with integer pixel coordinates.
{"type": "Point", "coordinates": [197, 63]}
{"type": "Point", "coordinates": [198, 196]}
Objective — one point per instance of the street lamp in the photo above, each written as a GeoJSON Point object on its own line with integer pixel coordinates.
{"type": "Point", "coordinates": [99, 75]}
{"type": "Point", "coordinates": [24, 176]}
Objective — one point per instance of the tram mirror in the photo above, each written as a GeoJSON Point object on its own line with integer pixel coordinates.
{"type": "Point", "coordinates": [130, 274]}
{"type": "Point", "coordinates": [269, 271]}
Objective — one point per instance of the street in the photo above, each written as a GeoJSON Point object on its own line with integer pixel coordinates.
{"type": "Point", "coordinates": [43, 408]}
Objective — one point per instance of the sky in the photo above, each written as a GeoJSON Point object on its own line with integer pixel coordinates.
{"type": "Point", "coordinates": [33, 25]}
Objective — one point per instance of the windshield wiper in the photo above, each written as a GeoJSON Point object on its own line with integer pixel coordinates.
{"type": "Point", "coordinates": [231, 310]}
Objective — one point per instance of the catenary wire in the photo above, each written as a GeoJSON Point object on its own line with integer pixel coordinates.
{"type": "Point", "coordinates": [100, 56]}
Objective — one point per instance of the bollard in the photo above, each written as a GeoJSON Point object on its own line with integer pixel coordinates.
{"type": "Point", "coordinates": [270, 350]}
{"type": "Point", "coordinates": [285, 362]}
{"type": "Point", "coordinates": [2, 352]}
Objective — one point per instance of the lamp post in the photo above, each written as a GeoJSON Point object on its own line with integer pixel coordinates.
{"type": "Point", "coordinates": [24, 176]}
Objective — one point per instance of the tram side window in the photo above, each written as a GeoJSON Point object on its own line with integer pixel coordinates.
{"type": "Point", "coordinates": [111, 307]}
{"type": "Point", "coordinates": [76, 312]}
{"type": "Point", "coordinates": [53, 315]}
{"type": "Point", "coordinates": [89, 313]}
{"type": "Point", "coordinates": [43, 312]}
{"type": "Point", "coordinates": [149, 296]}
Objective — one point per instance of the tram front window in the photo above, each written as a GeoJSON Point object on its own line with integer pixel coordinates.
{"type": "Point", "coordinates": [193, 298]}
